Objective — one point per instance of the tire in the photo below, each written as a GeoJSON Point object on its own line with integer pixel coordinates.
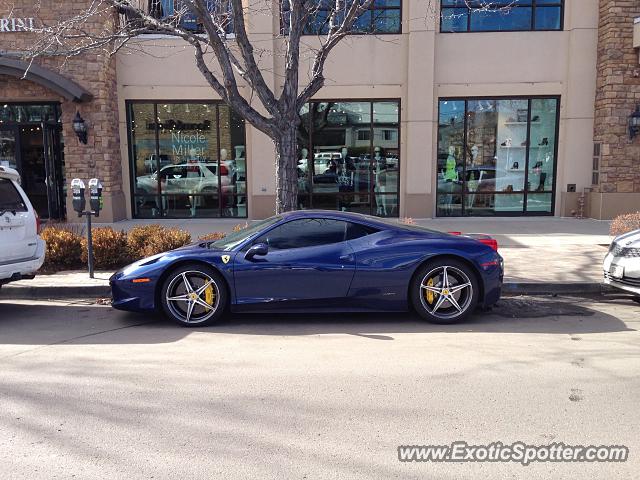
{"type": "Point", "coordinates": [636, 299]}
{"type": "Point", "coordinates": [461, 295]}
{"type": "Point", "coordinates": [179, 303]}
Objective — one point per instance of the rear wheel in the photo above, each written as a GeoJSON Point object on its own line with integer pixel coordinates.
{"type": "Point", "coordinates": [194, 295]}
{"type": "Point", "coordinates": [445, 291]}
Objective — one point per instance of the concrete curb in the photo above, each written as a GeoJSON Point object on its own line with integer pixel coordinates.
{"type": "Point", "coordinates": [98, 291]}
{"type": "Point", "coordinates": [51, 291]}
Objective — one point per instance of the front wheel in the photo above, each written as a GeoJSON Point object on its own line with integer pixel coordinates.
{"type": "Point", "coordinates": [194, 295]}
{"type": "Point", "coordinates": [445, 291]}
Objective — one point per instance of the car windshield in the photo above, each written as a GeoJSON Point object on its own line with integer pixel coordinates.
{"type": "Point", "coordinates": [236, 238]}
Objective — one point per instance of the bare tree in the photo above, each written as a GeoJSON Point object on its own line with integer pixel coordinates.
{"type": "Point", "coordinates": [276, 113]}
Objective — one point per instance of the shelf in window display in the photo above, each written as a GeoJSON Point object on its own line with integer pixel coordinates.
{"type": "Point", "coordinates": [522, 123]}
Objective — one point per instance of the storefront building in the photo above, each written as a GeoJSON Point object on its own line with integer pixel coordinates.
{"type": "Point", "coordinates": [522, 112]}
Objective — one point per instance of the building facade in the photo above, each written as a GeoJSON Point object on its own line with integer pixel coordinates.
{"type": "Point", "coordinates": [453, 112]}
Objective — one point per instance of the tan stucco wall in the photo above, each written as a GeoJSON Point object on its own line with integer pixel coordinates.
{"type": "Point", "coordinates": [418, 66]}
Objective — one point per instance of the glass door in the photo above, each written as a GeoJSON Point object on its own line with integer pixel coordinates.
{"type": "Point", "coordinates": [54, 170]}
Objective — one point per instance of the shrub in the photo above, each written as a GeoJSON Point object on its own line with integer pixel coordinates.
{"type": "Point", "coordinates": [625, 223]}
{"type": "Point", "coordinates": [138, 238]}
{"type": "Point", "coordinates": [147, 240]}
{"type": "Point", "coordinates": [64, 248]}
{"type": "Point", "coordinates": [212, 236]}
{"type": "Point", "coordinates": [110, 248]}
{"type": "Point", "coordinates": [171, 238]}
{"type": "Point", "coordinates": [240, 226]}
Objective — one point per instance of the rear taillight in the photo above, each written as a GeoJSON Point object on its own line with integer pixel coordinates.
{"type": "Point", "coordinates": [491, 242]}
{"type": "Point", "coordinates": [38, 224]}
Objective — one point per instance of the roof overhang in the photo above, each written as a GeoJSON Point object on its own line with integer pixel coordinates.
{"type": "Point", "coordinates": [47, 78]}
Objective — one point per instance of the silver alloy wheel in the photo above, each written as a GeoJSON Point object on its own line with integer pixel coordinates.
{"type": "Point", "coordinates": [187, 293]}
{"type": "Point", "coordinates": [446, 292]}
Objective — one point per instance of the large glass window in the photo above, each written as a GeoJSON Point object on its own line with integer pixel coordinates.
{"type": "Point", "coordinates": [343, 168]}
{"type": "Point", "coordinates": [177, 12]}
{"type": "Point", "coordinates": [383, 16]}
{"type": "Point", "coordinates": [187, 160]}
{"type": "Point", "coordinates": [502, 15]}
{"type": "Point", "coordinates": [496, 156]}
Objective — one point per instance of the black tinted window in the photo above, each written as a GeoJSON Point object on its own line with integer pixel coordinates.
{"type": "Point", "coordinates": [308, 232]}
{"type": "Point", "coordinates": [355, 230]}
{"type": "Point", "coordinates": [10, 199]}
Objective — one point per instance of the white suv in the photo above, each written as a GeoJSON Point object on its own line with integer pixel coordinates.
{"type": "Point", "coordinates": [22, 252]}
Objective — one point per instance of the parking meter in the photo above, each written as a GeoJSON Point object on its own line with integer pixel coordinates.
{"type": "Point", "coordinates": [77, 192]}
{"type": "Point", "coordinates": [95, 196]}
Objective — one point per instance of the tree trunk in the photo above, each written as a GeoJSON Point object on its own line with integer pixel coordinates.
{"type": "Point", "coordinates": [286, 169]}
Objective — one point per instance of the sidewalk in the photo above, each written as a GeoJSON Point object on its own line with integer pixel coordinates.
{"type": "Point", "coordinates": [542, 255]}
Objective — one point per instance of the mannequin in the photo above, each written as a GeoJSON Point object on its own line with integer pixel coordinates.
{"type": "Point", "coordinates": [450, 173]}
{"type": "Point", "coordinates": [475, 151]}
{"type": "Point", "coordinates": [303, 169]}
{"type": "Point", "coordinates": [193, 185]}
{"type": "Point", "coordinates": [343, 175]}
{"type": "Point", "coordinates": [380, 181]}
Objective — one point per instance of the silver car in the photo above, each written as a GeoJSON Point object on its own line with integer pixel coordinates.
{"type": "Point", "coordinates": [622, 263]}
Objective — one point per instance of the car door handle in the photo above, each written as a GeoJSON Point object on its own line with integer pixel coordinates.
{"type": "Point", "coordinates": [347, 258]}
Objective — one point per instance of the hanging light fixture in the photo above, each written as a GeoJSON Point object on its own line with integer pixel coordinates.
{"type": "Point", "coordinates": [80, 128]}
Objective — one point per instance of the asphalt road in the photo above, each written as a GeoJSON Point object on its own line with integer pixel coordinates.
{"type": "Point", "coordinates": [88, 392]}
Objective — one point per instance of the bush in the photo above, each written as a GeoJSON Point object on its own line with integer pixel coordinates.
{"type": "Point", "coordinates": [240, 226]}
{"type": "Point", "coordinates": [147, 240]}
{"type": "Point", "coordinates": [212, 236]}
{"type": "Point", "coordinates": [138, 238]}
{"type": "Point", "coordinates": [110, 248]}
{"type": "Point", "coordinates": [625, 223]}
{"type": "Point", "coordinates": [64, 248]}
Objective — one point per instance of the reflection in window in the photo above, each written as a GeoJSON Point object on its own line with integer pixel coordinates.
{"type": "Point", "coordinates": [178, 13]}
{"type": "Point", "coordinates": [354, 161]}
{"type": "Point", "coordinates": [383, 16]}
{"type": "Point", "coordinates": [187, 160]}
{"type": "Point", "coordinates": [503, 15]}
{"type": "Point", "coordinates": [493, 153]}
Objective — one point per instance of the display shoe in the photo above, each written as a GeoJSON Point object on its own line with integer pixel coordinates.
{"type": "Point", "coordinates": [515, 166]}
{"type": "Point", "coordinates": [506, 143]}
{"type": "Point", "coordinates": [537, 165]}
{"type": "Point", "coordinates": [524, 144]}
{"type": "Point", "coordinates": [544, 142]}
{"type": "Point", "coordinates": [536, 118]}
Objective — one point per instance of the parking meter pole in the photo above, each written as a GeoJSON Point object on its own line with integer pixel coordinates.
{"type": "Point", "coordinates": [89, 244]}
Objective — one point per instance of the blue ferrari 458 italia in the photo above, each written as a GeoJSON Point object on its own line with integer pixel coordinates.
{"type": "Point", "coordinates": [317, 261]}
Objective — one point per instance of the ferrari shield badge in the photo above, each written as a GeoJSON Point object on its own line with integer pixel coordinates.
{"type": "Point", "coordinates": [226, 258]}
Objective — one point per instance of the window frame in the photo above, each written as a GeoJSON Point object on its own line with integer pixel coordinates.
{"type": "Point", "coordinates": [504, 3]}
{"type": "Point", "coordinates": [525, 192]}
{"type": "Point", "coordinates": [129, 103]}
{"type": "Point", "coordinates": [373, 7]}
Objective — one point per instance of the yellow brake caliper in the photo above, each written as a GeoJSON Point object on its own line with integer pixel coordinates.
{"type": "Point", "coordinates": [209, 296]}
{"type": "Point", "coordinates": [428, 294]}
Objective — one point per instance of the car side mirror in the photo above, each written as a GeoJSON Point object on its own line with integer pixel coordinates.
{"type": "Point", "coordinates": [259, 249]}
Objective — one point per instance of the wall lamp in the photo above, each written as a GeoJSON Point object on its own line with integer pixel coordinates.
{"type": "Point", "coordinates": [634, 123]}
{"type": "Point", "coordinates": [80, 127]}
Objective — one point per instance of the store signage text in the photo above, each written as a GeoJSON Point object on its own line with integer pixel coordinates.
{"type": "Point", "coordinates": [16, 25]}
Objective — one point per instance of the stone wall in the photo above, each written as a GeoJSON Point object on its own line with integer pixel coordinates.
{"type": "Point", "coordinates": [96, 72]}
{"type": "Point", "coordinates": [618, 93]}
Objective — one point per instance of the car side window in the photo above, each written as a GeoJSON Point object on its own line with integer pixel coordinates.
{"type": "Point", "coordinates": [10, 199]}
{"type": "Point", "coordinates": [305, 232]}
{"type": "Point", "coordinates": [356, 230]}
